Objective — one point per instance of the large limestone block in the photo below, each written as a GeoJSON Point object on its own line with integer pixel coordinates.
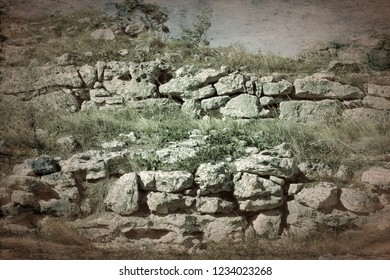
{"type": "Point", "coordinates": [267, 224]}
{"type": "Point", "coordinates": [27, 80]}
{"type": "Point", "coordinates": [260, 204]}
{"type": "Point", "coordinates": [231, 84]}
{"type": "Point", "coordinates": [131, 90]}
{"type": "Point", "coordinates": [250, 185]}
{"type": "Point", "coordinates": [314, 88]}
{"type": "Point", "coordinates": [375, 102]}
{"type": "Point", "coordinates": [310, 111]}
{"type": "Point", "coordinates": [89, 75]}
{"type": "Point", "coordinates": [359, 201]}
{"type": "Point", "coordinates": [213, 178]}
{"type": "Point", "coordinates": [242, 106]}
{"type": "Point", "coordinates": [218, 229]}
{"type": "Point", "coordinates": [173, 181]}
{"type": "Point", "coordinates": [380, 91]}
{"type": "Point", "coordinates": [323, 196]}
{"type": "Point", "coordinates": [214, 103]}
{"type": "Point", "coordinates": [164, 203]}
{"type": "Point", "coordinates": [123, 196]}
{"type": "Point", "coordinates": [213, 205]}
{"type": "Point", "coordinates": [265, 165]}
{"type": "Point", "coordinates": [281, 88]}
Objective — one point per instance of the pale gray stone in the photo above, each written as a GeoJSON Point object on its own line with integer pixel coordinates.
{"type": "Point", "coordinates": [88, 74]}
{"type": "Point", "coordinates": [375, 102]}
{"type": "Point", "coordinates": [310, 111]}
{"type": "Point", "coordinates": [213, 205]}
{"type": "Point", "coordinates": [103, 34]}
{"type": "Point", "coordinates": [367, 114]}
{"type": "Point", "coordinates": [358, 201]}
{"type": "Point", "coordinates": [378, 177]}
{"type": "Point", "coordinates": [214, 103]}
{"type": "Point", "coordinates": [323, 196]}
{"type": "Point", "coordinates": [164, 203]}
{"type": "Point", "coordinates": [213, 178]}
{"type": "Point", "coordinates": [242, 106]}
{"type": "Point", "coordinates": [173, 181]}
{"type": "Point", "coordinates": [259, 204]}
{"type": "Point", "coordinates": [231, 84]}
{"type": "Point", "coordinates": [250, 185]}
{"type": "Point", "coordinates": [379, 91]}
{"type": "Point", "coordinates": [123, 196]}
{"type": "Point", "coordinates": [267, 224]}
{"type": "Point", "coordinates": [281, 88]}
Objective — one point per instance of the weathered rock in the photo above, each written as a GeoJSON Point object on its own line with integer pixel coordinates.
{"type": "Point", "coordinates": [259, 204]}
{"type": "Point", "coordinates": [375, 102]}
{"type": "Point", "coordinates": [213, 205]}
{"type": "Point", "coordinates": [64, 185]}
{"type": "Point", "coordinates": [123, 196]}
{"type": "Point", "coordinates": [27, 80]}
{"type": "Point", "coordinates": [88, 74]}
{"type": "Point", "coordinates": [213, 178]}
{"type": "Point", "coordinates": [267, 224]}
{"type": "Point", "coordinates": [155, 72]}
{"type": "Point", "coordinates": [269, 101]}
{"type": "Point", "coordinates": [131, 90]}
{"type": "Point", "coordinates": [68, 144]}
{"type": "Point", "coordinates": [295, 188]}
{"type": "Point", "coordinates": [174, 181]}
{"type": "Point", "coordinates": [214, 103]}
{"type": "Point", "coordinates": [242, 106]}
{"type": "Point", "coordinates": [57, 101]}
{"type": "Point", "coordinates": [44, 165]}
{"type": "Point", "coordinates": [204, 92]}
{"type": "Point", "coordinates": [310, 111]}
{"type": "Point", "coordinates": [378, 177]}
{"type": "Point", "coordinates": [231, 84]}
{"type": "Point", "coordinates": [344, 173]}
{"type": "Point", "coordinates": [224, 228]}
{"type": "Point", "coordinates": [313, 171]}
{"type": "Point", "coordinates": [164, 203]}
{"type": "Point", "coordinates": [192, 108]}
{"type": "Point", "coordinates": [147, 180]}
{"type": "Point", "coordinates": [347, 66]}
{"type": "Point", "coordinates": [103, 34]}
{"type": "Point", "coordinates": [379, 91]}
{"type": "Point", "coordinates": [24, 169]}
{"type": "Point", "coordinates": [323, 196]}
{"type": "Point", "coordinates": [185, 85]}
{"type": "Point", "coordinates": [109, 70]}
{"type": "Point", "coordinates": [66, 59]}
{"type": "Point", "coordinates": [180, 151]}
{"type": "Point", "coordinates": [300, 219]}
{"type": "Point", "coordinates": [314, 88]}
{"type": "Point", "coordinates": [281, 88]}
{"type": "Point", "coordinates": [5, 195]}
{"type": "Point", "coordinates": [266, 165]}
{"type": "Point", "coordinates": [359, 201]}
{"type": "Point", "coordinates": [250, 185]}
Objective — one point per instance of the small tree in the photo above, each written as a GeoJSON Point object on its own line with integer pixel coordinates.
{"type": "Point", "coordinates": [150, 15]}
{"type": "Point", "coordinates": [198, 34]}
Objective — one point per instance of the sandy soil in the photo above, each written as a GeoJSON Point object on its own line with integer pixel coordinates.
{"type": "Point", "coordinates": [279, 26]}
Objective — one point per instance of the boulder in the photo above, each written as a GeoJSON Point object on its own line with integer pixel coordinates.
{"type": "Point", "coordinates": [378, 177]}
{"type": "Point", "coordinates": [323, 196]}
{"type": "Point", "coordinates": [314, 88]}
{"type": "Point", "coordinates": [27, 80]}
{"type": "Point", "coordinates": [231, 84]}
{"type": "Point", "coordinates": [68, 144]}
{"type": "Point", "coordinates": [250, 185]}
{"type": "Point", "coordinates": [310, 111]}
{"type": "Point", "coordinates": [222, 228]}
{"type": "Point", "coordinates": [164, 203]}
{"type": "Point", "coordinates": [379, 91]}
{"type": "Point", "coordinates": [266, 165]}
{"type": "Point", "coordinates": [88, 74]}
{"type": "Point", "coordinates": [44, 165]}
{"type": "Point", "coordinates": [314, 171]}
{"type": "Point", "coordinates": [268, 224]}
{"type": "Point", "coordinates": [360, 202]}
{"type": "Point", "coordinates": [123, 197]}
{"type": "Point", "coordinates": [103, 34]}
{"type": "Point", "coordinates": [107, 71]}
{"type": "Point", "coordinates": [214, 103]}
{"type": "Point", "coordinates": [174, 181]}
{"type": "Point", "coordinates": [213, 205]}
{"type": "Point", "coordinates": [131, 90]}
{"type": "Point", "coordinates": [204, 92]}
{"type": "Point", "coordinates": [281, 88]}
{"type": "Point", "coordinates": [155, 72]}
{"type": "Point", "coordinates": [260, 204]}
{"type": "Point", "coordinates": [242, 106]}
{"type": "Point", "coordinates": [375, 102]}
{"type": "Point", "coordinates": [213, 178]}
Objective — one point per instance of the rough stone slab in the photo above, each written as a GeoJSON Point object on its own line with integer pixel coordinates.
{"type": "Point", "coordinates": [267, 224]}
{"type": "Point", "coordinates": [164, 203]}
{"type": "Point", "coordinates": [214, 103]}
{"type": "Point", "coordinates": [323, 196]}
{"type": "Point", "coordinates": [313, 88]}
{"type": "Point", "coordinates": [174, 181]}
{"type": "Point", "coordinates": [310, 111]}
{"type": "Point", "coordinates": [24, 79]}
{"type": "Point", "coordinates": [213, 205]}
{"type": "Point", "coordinates": [231, 84]}
{"type": "Point", "coordinates": [379, 91]}
{"type": "Point", "coordinates": [213, 178]}
{"type": "Point", "coordinates": [242, 106]}
{"type": "Point", "coordinates": [259, 204]}
{"type": "Point", "coordinates": [359, 201]}
{"type": "Point", "coordinates": [250, 185]}
{"type": "Point", "coordinates": [281, 88]}
{"type": "Point", "coordinates": [123, 196]}
{"type": "Point", "coordinates": [375, 102]}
